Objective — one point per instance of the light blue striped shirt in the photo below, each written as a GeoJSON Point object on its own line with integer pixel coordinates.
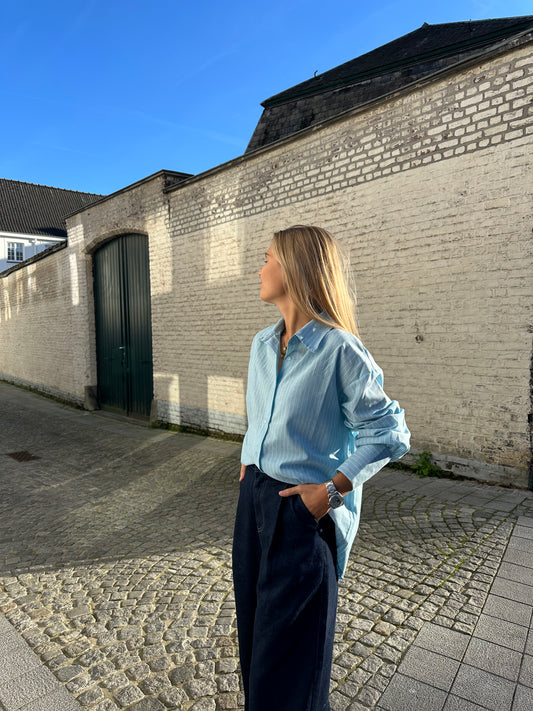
{"type": "Point", "coordinates": [324, 411]}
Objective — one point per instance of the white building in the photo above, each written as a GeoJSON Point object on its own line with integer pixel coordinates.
{"type": "Point", "coordinates": [15, 247]}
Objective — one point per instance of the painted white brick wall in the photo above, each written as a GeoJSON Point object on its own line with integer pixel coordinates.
{"type": "Point", "coordinates": [429, 192]}
{"type": "Point", "coordinates": [37, 336]}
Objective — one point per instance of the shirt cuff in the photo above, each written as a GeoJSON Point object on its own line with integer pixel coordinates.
{"type": "Point", "coordinates": [366, 461]}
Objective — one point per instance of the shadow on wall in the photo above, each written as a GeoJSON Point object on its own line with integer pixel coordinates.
{"type": "Point", "coordinates": [203, 324]}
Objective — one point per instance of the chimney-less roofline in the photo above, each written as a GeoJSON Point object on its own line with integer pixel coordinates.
{"type": "Point", "coordinates": [307, 88]}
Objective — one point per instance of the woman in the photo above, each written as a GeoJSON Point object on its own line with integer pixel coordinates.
{"type": "Point", "coordinates": [319, 425]}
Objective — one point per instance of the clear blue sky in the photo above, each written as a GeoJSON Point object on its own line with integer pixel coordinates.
{"type": "Point", "coordinates": [97, 94]}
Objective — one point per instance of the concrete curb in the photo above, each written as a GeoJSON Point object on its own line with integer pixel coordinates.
{"type": "Point", "coordinates": [25, 683]}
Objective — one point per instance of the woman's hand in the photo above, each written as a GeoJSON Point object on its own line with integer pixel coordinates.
{"type": "Point", "coordinates": [243, 472]}
{"type": "Point", "coordinates": [314, 496]}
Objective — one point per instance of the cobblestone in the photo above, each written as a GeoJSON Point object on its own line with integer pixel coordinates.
{"type": "Point", "coordinates": [116, 567]}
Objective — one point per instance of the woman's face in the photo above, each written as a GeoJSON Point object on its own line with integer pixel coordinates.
{"type": "Point", "coordinates": [272, 282]}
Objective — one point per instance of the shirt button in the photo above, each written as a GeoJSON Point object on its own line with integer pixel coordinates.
{"type": "Point", "coordinates": [314, 329]}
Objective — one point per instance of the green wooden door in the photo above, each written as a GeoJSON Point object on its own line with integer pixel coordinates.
{"type": "Point", "coordinates": [123, 325]}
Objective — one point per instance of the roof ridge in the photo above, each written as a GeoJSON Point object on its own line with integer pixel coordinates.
{"type": "Point", "coordinates": [522, 18]}
{"type": "Point", "coordinates": [317, 84]}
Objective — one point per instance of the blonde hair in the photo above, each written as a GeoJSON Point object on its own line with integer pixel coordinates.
{"type": "Point", "coordinates": [315, 275]}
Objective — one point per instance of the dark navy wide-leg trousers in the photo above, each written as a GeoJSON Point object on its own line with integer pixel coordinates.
{"type": "Point", "coordinates": [286, 598]}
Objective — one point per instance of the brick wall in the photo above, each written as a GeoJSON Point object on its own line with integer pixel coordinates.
{"type": "Point", "coordinates": [429, 192]}
{"type": "Point", "coordinates": [460, 114]}
{"type": "Point", "coordinates": [39, 343]}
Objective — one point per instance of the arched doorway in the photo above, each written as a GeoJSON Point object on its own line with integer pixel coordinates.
{"type": "Point", "coordinates": [123, 325]}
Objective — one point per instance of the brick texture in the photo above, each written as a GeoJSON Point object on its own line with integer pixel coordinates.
{"type": "Point", "coordinates": [38, 344]}
{"type": "Point", "coordinates": [429, 191]}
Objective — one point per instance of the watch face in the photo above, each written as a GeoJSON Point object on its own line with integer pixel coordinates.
{"type": "Point", "coordinates": [335, 500]}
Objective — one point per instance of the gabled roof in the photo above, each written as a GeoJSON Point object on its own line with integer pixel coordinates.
{"type": "Point", "coordinates": [385, 69]}
{"type": "Point", "coordinates": [26, 208]}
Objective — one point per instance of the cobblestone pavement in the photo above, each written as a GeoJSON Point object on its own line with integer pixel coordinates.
{"type": "Point", "coordinates": [115, 561]}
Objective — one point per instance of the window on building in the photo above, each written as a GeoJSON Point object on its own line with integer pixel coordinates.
{"type": "Point", "coordinates": [15, 251]}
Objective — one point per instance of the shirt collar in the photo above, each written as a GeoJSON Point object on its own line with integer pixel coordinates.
{"type": "Point", "coordinates": [310, 335]}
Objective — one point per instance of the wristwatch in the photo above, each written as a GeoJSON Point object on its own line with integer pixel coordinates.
{"type": "Point", "coordinates": [335, 499]}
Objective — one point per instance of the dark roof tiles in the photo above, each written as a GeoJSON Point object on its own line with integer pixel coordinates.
{"type": "Point", "coordinates": [404, 60]}
{"type": "Point", "coordinates": [26, 208]}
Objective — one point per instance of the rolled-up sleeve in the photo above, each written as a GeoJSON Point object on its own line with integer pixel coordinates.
{"type": "Point", "coordinates": [377, 423]}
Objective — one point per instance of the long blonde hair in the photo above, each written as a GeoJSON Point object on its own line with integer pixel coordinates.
{"type": "Point", "coordinates": [315, 275]}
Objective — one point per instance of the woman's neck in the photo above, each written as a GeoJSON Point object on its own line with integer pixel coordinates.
{"type": "Point", "coordinates": [294, 319]}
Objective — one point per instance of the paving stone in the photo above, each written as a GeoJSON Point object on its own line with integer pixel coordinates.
{"type": "Point", "coordinates": [433, 669]}
{"type": "Point", "coordinates": [147, 705]}
{"type": "Point", "coordinates": [91, 657]}
{"type": "Point", "coordinates": [338, 701]}
{"type": "Point", "coordinates": [173, 697]}
{"type": "Point", "coordinates": [228, 682]}
{"type": "Point", "coordinates": [160, 664]}
{"type": "Point", "coordinates": [378, 682]}
{"type": "Point", "coordinates": [17, 662]}
{"type": "Point", "coordinates": [518, 557]}
{"type": "Point", "coordinates": [110, 591]}
{"type": "Point", "coordinates": [181, 674]}
{"type": "Point", "coordinates": [70, 672]}
{"type": "Point", "coordinates": [526, 671]}
{"type": "Point", "coordinates": [493, 658]}
{"type": "Point", "coordinates": [518, 573]}
{"type": "Point", "coordinates": [406, 694]}
{"type": "Point", "coordinates": [356, 706]}
{"type": "Point", "coordinates": [204, 705]}
{"type": "Point", "coordinates": [226, 666]}
{"type": "Point", "coordinates": [153, 685]}
{"type": "Point", "coordinates": [128, 695]}
{"type": "Point", "coordinates": [523, 700]}
{"type": "Point", "coordinates": [200, 687]}
{"type": "Point", "coordinates": [79, 683]}
{"type": "Point", "coordinates": [442, 641]}
{"type": "Point", "coordinates": [508, 610]}
{"type": "Point", "coordinates": [525, 520]}
{"type": "Point", "coordinates": [506, 634]}
{"type": "Point", "coordinates": [105, 705]}
{"type": "Point", "coordinates": [491, 691]}
{"type": "Point", "coordinates": [456, 703]}
{"type": "Point", "coordinates": [90, 697]}
{"type": "Point", "coordinates": [58, 700]}
{"type": "Point", "coordinates": [368, 696]}
{"type": "Point", "coordinates": [395, 617]}
{"type": "Point", "coordinates": [521, 531]}
{"type": "Point", "coordinates": [26, 689]}
{"type": "Point", "coordinates": [115, 682]}
{"type": "Point", "coordinates": [78, 611]}
{"type": "Point", "coordinates": [139, 671]}
{"type": "Point", "coordinates": [519, 544]}
{"type": "Point", "coordinates": [227, 701]}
